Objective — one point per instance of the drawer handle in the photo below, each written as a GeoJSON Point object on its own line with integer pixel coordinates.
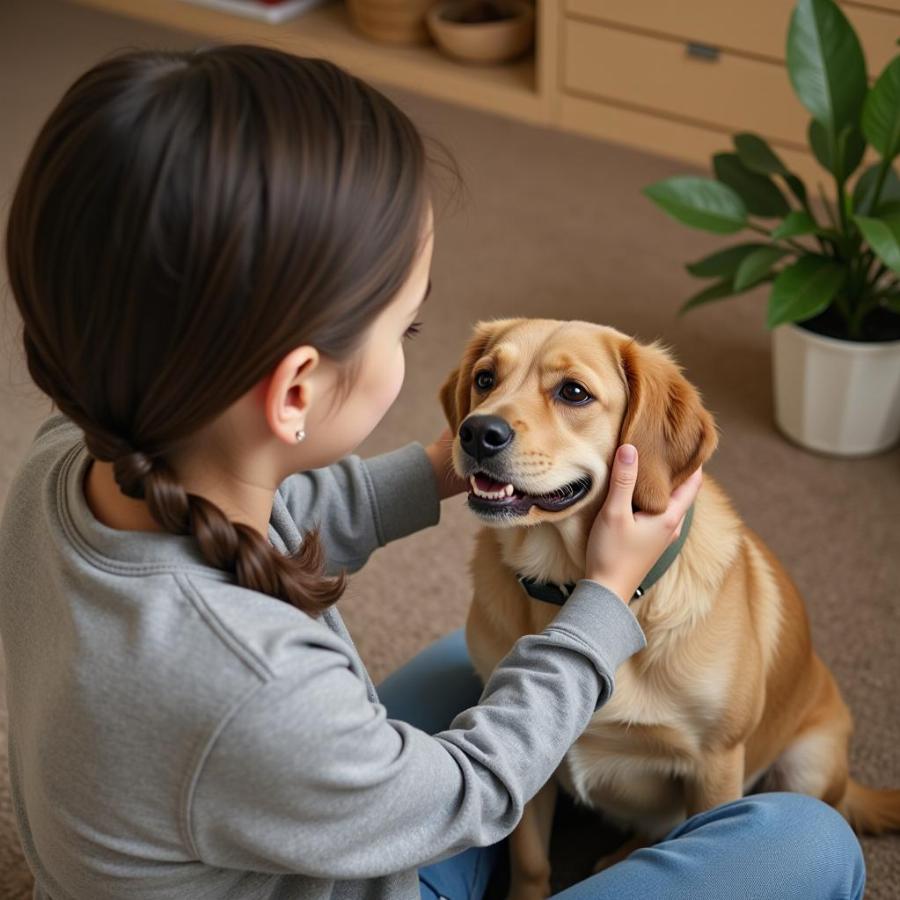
{"type": "Point", "coordinates": [702, 51]}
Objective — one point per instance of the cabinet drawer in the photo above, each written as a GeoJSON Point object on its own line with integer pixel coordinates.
{"type": "Point", "coordinates": [759, 27]}
{"type": "Point", "coordinates": [664, 135]}
{"type": "Point", "coordinates": [732, 92]}
{"type": "Point", "coordinates": [887, 5]}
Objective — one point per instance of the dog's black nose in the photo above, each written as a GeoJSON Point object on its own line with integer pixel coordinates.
{"type": "Point", "coordinates": [483, 436]}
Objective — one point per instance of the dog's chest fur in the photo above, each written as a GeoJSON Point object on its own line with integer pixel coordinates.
{"type": "Point", "coordinates": [666, 698]}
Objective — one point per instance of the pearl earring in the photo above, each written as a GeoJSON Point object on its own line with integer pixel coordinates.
{"type": "Point", "coordinates": [300, 435]}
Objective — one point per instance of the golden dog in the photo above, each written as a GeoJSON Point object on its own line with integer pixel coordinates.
{"type": "Point", "coordinates": [728, 694]}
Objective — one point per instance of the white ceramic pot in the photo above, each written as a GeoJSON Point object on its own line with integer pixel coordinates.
{"type": "Point", "coordinates": [835, 396]}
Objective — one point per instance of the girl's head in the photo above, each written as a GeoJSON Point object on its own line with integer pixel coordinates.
{"type": "Point", "coordinates": [212, 251]}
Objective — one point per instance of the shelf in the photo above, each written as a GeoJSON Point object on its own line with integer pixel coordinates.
{"type": "Point", "coordinates": [530, 90]}
{"type": "Point", "coordinates": [509, 89]}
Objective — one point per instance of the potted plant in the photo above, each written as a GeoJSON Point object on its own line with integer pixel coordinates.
{"type": "Point", "coordinates": [834, 306]}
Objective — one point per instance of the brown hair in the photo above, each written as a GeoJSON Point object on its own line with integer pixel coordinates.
{"type": "Point", "coordinates": [184, 220]}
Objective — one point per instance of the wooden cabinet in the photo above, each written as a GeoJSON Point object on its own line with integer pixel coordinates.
{"type": "Point", "coordinates": [695, 82]}
{"type": "Point", "coordinates": [749, 27]}
{"type": "Point", "coordinates": [675, 77]}
{"type": "Point", "coordinates": [680, 78]}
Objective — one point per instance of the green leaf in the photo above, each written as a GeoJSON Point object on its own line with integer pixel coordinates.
{"type": "Point", "coordinates": [798, 188]}
{"type": "Point", "coordinates": [826, 63]}
{"type": "Point", "coordinates": [759, 193]}
{"type": "Point", "coordinates": [883, 236]}
{"type": "Point", "coordinates": [817, 135]}
{"type": "Point", "coordinates": [864, 190]}
{"type": "Point", "coordinates": [722, 263]}
{"type": "Point", "coordinates": [700, 203]}
{"type": "Point", "coordinates": [756, 154]}
{"type": "Point", "coordinates": [717, 291]}
{"type": "Point", "coordinates": [881, 112]}
{"type": "Point", "coordinates": [848, 205]}
{"type": "Point", "coordinates": [804, 289]}
{"type": "Point", "coordinates": [795, 223]}
{"type": "Point", "coordinates": [893, 304]}
{"type": "Point", "coordinates": [851, 147]}
{"type": "Point", "coordinates": [756, 266]}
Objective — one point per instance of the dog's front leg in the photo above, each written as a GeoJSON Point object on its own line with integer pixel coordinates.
{"type": "Point", "coordinates": [719, 778]}
{"type": "Point", "coordinates": [635, 842]}
{"type": "Point", "coordinates": [529, 847]}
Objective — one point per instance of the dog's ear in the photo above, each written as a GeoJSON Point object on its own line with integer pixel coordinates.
{"type": "Point", "coordinates": [666, 420]}
{"type": "Point", "coordinates": [456, 392]}
{"type": "Point", "coordinates": [448, 400]}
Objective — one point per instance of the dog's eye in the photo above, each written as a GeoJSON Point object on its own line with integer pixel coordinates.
{"type": "Point", "coordinates": [484, 380]}
{"type": "Point", "coordinates": [573, 392]}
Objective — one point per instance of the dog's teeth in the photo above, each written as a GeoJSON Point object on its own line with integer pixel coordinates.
{"type": "Point", "coordinates": [506, 491]}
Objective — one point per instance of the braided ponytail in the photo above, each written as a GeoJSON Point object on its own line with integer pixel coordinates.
{"type": "Point", "coordinates": [232, 546]}
{"type": "Point", "coordinates": [183, 221]}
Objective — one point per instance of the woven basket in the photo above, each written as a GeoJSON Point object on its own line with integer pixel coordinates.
{"type": "Point", "coordinates": [391, 21]}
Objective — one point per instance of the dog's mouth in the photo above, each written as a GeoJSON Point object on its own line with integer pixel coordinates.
{"type": "Point", "coordinates": [489, 496]}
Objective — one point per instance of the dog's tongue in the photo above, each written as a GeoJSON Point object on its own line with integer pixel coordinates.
{"type": "Point", "coordinates": [486, 484]}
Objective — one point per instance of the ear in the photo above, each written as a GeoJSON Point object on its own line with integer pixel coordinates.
{"type": "Point", "coordinates": [666, 420]}
{"type": "Point", "coordinates": [456, 392]}
{"type": "Point", "coordinates": [448, 400]}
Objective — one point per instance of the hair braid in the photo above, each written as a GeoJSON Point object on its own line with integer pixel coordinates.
{"type": "Point", "coordinates": [298, 578]}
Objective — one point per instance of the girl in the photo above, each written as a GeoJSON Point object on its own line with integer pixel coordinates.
{"type": "Point", "coordinates": [217, 255]}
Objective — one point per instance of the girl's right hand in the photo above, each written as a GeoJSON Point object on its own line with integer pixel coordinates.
{"type": "Point", "coordinates": [623, 545]}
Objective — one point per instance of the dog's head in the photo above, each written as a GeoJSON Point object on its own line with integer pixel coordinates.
{"type": "Point", "coordinates": [539, 406]}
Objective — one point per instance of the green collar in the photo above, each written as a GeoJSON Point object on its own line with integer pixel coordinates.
{"type": "Point", "coordinates": [557, 593]}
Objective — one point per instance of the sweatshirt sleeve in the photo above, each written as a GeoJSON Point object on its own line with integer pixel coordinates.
{"type": "Point", "coordinates": [308, 776]}
{"type": "Point", "coordinates": [363, 504]}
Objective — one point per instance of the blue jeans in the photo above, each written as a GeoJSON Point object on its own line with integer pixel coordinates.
{"type": "Point", "coordinates": [765, 846]}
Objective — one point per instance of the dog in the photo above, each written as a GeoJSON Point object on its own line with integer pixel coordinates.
{"type": "Point", "coordinates": [728, 695]}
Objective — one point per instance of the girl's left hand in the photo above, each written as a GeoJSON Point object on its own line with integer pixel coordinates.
{"type": "Point", "coordinates": [439, 452]}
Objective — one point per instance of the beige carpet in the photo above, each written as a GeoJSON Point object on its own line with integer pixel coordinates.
{"type": "Point", "coordinates": [553, 225]}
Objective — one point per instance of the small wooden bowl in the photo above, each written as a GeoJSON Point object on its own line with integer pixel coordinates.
{"type": "Point", "coordinates": [481, 42]}
{"type": "Point", "coordinates": [391, 21]}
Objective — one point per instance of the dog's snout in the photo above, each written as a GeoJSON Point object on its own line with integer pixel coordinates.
{"type": "Point", "coordinates": [483, 436]}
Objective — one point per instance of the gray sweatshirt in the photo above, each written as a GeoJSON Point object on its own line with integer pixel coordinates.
{"type": "Point", "coordinates": [175, 735]}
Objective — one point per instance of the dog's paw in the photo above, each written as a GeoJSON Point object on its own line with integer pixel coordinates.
{"type": "Point", "coordinates": [530, 890]}
{"type": "Point", "coordinates": [610, 859]}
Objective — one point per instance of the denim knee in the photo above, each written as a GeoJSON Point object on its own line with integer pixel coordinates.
{"type": "Point", "coordinates": [813, 837]}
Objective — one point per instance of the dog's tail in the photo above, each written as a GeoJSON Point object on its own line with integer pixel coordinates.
{"type": "Point", "coordinates": [870, 810]}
